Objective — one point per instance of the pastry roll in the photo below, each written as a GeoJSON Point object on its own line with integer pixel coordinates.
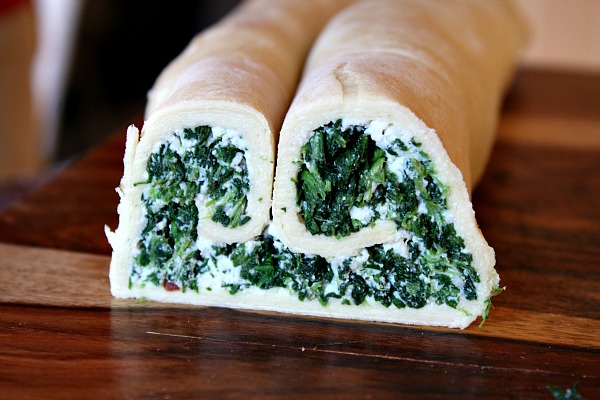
{"type": "Point", "coordinates": [389, 132]}
{"type": "Point", "coordinates": [201, 170]}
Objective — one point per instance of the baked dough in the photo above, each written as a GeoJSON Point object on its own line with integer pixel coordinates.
{"type": "Point", "coordinates": [430, 70]}
{"type": "Point", "coordinates": [239, 76]}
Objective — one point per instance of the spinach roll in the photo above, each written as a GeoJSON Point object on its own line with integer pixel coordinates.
{"type": "Point", "coordinates": [201, 170]}
{"type": "Point", "coordinates": [388, 134]}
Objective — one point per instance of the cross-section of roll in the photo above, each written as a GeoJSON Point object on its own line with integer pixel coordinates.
{"type": "Point", "coordinates": [390, 129]}
{"type": "Point", "coordinates": [202, 167]}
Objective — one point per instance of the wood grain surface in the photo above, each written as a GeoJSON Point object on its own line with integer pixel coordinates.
{"type": "Point", "coordinates": [62, 335]}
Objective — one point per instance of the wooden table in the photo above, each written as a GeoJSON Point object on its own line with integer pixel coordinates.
{"type": "Point", "coordinates": [62, 335]}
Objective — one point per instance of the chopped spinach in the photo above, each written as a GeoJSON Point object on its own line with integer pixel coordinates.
{"type": "Point", "coordinates": [378, 273]}
{"type": "Point", "coordinates": [568, 394]}
{"type": "Point", "coordinates": [488, 304]}
{"type": "Point", "coordinates": [340, 169]}
{"type": "Point", "coordinates": [191, 163]}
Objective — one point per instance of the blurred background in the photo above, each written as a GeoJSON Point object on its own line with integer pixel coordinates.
{"type": "Point", "coordinates": [73, 72]}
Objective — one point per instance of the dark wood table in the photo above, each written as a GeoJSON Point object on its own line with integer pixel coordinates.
{"type": "Point", "coordinates": [62, 335]}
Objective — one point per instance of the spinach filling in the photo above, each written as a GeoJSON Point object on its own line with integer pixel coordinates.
{"type": "Point", "coordinates": [344, 173]}
{"type": "Point", "coordinates": [378, 274]}
{"type": "Point", "coordinates": [348, 181]}
{"type": "Point", "coordinates": [195, 162]}
{"type": "Point", "coordinates": [429, 265]}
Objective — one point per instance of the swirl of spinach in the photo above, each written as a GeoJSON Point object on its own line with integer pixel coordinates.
{"type": "Point", "coordinates": [344, 168]}
{"type": "Point", "coordinates": [175, 178]}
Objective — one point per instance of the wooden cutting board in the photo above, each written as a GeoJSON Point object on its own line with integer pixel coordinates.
{"type": "Point", "coordinates": [64, 336]}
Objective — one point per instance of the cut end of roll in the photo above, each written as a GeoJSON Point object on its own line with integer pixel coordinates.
{"type": "Point", "coordinates": [385, 199]}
